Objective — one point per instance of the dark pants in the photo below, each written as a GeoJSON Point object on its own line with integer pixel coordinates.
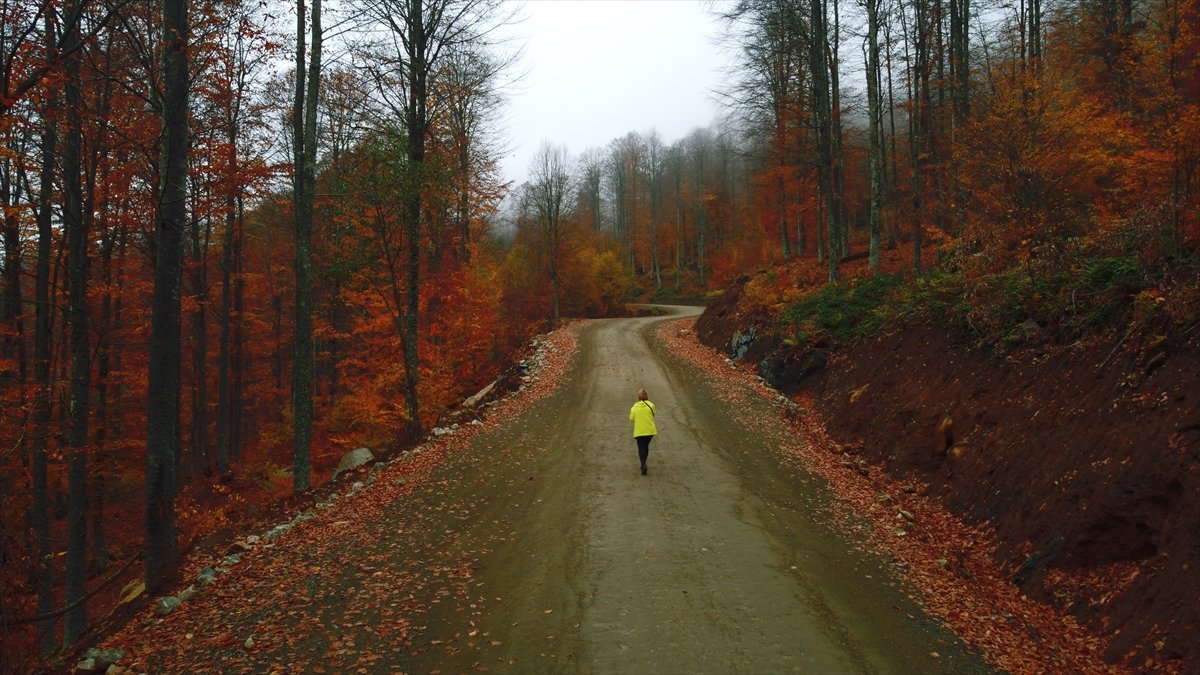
{"type": "Point", "coordinates": [643, 447]}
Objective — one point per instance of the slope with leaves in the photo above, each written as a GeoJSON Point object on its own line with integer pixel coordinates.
{"type": "Point", "coordinates": [1049, 404]}
{"type": "Point", "coordinates": [345, 591]}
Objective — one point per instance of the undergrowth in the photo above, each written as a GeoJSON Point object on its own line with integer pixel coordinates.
{"type": "Point", "coordinates": [846, 311]}
{"type": "Point", "coordinates": [1059, 301]}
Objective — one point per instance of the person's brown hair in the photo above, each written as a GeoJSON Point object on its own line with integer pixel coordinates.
{"type": "Point", "coordinates": [642, 395]}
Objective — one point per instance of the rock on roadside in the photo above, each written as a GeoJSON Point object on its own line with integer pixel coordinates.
{"type": "Point", "coordinates": [353, 459]}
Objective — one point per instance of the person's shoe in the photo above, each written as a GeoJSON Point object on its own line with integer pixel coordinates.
{"type": "Point", "coordinates": [643, 469]}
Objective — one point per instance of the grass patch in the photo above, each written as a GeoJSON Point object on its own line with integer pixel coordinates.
{"type": "Point", "coordinates": [1068, 299]}
{"type": "Point", "coordinates": [846, 311]}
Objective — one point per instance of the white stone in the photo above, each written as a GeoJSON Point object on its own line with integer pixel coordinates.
{"type": "Point", "coordinates": [167, 605]}
{"type": "Point", "coordinates": [352, 459]}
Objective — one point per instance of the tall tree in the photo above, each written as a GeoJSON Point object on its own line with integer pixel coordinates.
{"type": "Point", "coordinates": [13, 180]}
{"type": "Point", "coordinates": [162, 409]}
{"type": "Point", "coordinates": [75, 620]}
{"type": "Point", "coordinates": [675, 157]}
{"type": "Point", "coordinates": [472, 103]}
{"type": "Point", "coordinates": [42, 367]}
{"type": "Point", "coordinates": [837, 146]}
{"type": "Point", "coordinates": [769, 92]}
{"type": "Point", "coordinates": [655, 159]}
{"type": "Point", "coordinates": [591, 166]}
{"type": "Point", "coordinates": [874, 141]}
{"type": "Point", "coordinates": [246, 52]}
{"type": "Point", "coordinates": [421, 34]}
{"type": "Point", "coordinates": [308, 83]}
{"type": "Point", "coordinates": [700, 147]}
{"type": "Point", "coordinates": [547, 190]}
{"type": "Point", "coordinates": [819, 64]}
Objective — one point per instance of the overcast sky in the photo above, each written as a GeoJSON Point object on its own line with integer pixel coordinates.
{"type": "Point", "coordinates": [598, 69]}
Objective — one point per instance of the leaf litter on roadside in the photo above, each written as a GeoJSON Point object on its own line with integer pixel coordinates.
{"type": "Point", "coordinates": [336, 594]}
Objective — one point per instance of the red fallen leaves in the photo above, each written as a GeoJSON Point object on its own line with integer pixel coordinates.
{"type": "Point", "coordinates": [334, 592]}
{"type": "Point", "coordinates": [949, 563]}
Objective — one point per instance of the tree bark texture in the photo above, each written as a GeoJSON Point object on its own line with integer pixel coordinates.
{"type": "Point", "coordinates": [303, 347]}
{"type": "Point", "coordinates": [162, 410]}
{"type": "Point", "coordinates": [43, 328]}
{"type": "Point", "coordinates": [75, 620]}
{"type": "Point", "coordinates": [875, 152]}
{"type": "Point", "coordinates": [416, 120]}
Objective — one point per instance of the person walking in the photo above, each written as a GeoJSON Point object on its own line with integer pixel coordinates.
{"type": "Point", "coordinates": [642, 416]}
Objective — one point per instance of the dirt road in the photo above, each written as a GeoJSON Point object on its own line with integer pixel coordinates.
{"type": "Point", "coordinates": [718, 561]}
{"type": "Point", "coordinates": [538, 546]}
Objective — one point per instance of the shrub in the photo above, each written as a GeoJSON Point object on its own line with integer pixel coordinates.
{"type": "Point", "coordinates": [847, 311]}
{"type": "Point", "coordinates": [1122, 273]}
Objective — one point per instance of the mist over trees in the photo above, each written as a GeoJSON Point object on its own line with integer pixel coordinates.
{"type": "Point", "coordinates": [985, 132]}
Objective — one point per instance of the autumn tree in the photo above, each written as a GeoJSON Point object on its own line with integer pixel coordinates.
{"type": "Point", "coordinates": [874, 139]}
{"type": "Point", "coordinates": [655, 160]}
{"type": "Point", "coordinates": [304, 122]}
{"type": "Point", "coordinates": [19, 36]}
{"type": "Point", "coordinates": [421, 34]}
{"type": "Point", "coordinates": [470, 80]}
{"type": "Point", "coordinates": [42, 365]}
{"type": "Point", "coordinates": [162, 409]}
{"type": "Point", "coordinates": [700, 145]}
{"type": "Point", "coordinates": [819, 65]}
{"type": "Point", "coordinates": [768, 93]}
{"type": "Point", "coordinates": [591, 180]}
{"type": "Point", "coordinates": [244, 52]}
{"type": "Point", "coordinates": [76, 225]}
{"type": "Point", "coordinates": [547, 192]}
{"type": "Point", "coordinates": [626, 155]}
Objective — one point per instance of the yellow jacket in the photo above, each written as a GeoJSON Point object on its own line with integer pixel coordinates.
{"type": "Point", "coordinates": [642, 416]}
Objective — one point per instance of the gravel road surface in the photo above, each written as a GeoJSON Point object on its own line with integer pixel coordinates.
{"type": "Point", "coordinates": [721, 560]}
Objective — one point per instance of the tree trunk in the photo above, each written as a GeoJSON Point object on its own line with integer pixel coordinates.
{"type": "Point", "coordinates": [415, 122]}
{"type": "Point", "coordinates": [820, 221]}
{"type": "Point", "coordinates": [918, 85]}
{"type": "Point", "coordinates": [800, 238]}
{"type": "Point", "coordinates": [893, 234]}
{"type": "Point", "coordinates": [43, 329]}
{"type": "Point", "coordinates": [823, 119]}
{"type": "Point", "coordinates": [463, 206]}
{"type": "Point", "coordinates": [837, 152]}
{"type": "Point", "coordinates": [201, 459]}
{"type": "Point", "coordinates": [237, 361]}
{"type": "Point", "coordinates": [224, 415]}
{"type": "Point", "coordinates": [162, 410]}
{"type": "Point", "coordinates": [876, 160]}
{"type": "Point", "coordinates": [554, 286]}
{"type": "Point", "coordinates": [303, 348]}
{"type": "Point", "coordinates": [104, 418]}
{"type": "Point", "coordinates": [654, 264]}
{"type": "Point", "coordinates": [678, 220]}
{"type": "Point", "coordinates": [75, 619]}
{"type": "Point", "coordinates": [13, 341]}
{"type": "Point", "coordinates": [785, 243]}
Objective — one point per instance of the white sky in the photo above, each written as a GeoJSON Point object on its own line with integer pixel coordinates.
{"type": "Point", "coordinates": [598, 69]}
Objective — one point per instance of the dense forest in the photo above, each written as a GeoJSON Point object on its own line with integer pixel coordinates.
{"type": "Point", "coordinates": [234, 248]}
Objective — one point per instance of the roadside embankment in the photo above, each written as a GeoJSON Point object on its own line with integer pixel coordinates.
{"type": "Point", "coordinates": [1082, 457]}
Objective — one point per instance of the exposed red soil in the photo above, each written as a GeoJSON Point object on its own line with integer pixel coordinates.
{"type": "Point", "coordinates": [1088, 477]}
{"type": "Point", "coordinates": [949, 565]}
{"type": "Point", "coordinates": [1082, 463]}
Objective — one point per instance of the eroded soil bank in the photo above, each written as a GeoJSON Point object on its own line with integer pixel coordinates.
{"type": "Point", "coordinates": [1084, 459]}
